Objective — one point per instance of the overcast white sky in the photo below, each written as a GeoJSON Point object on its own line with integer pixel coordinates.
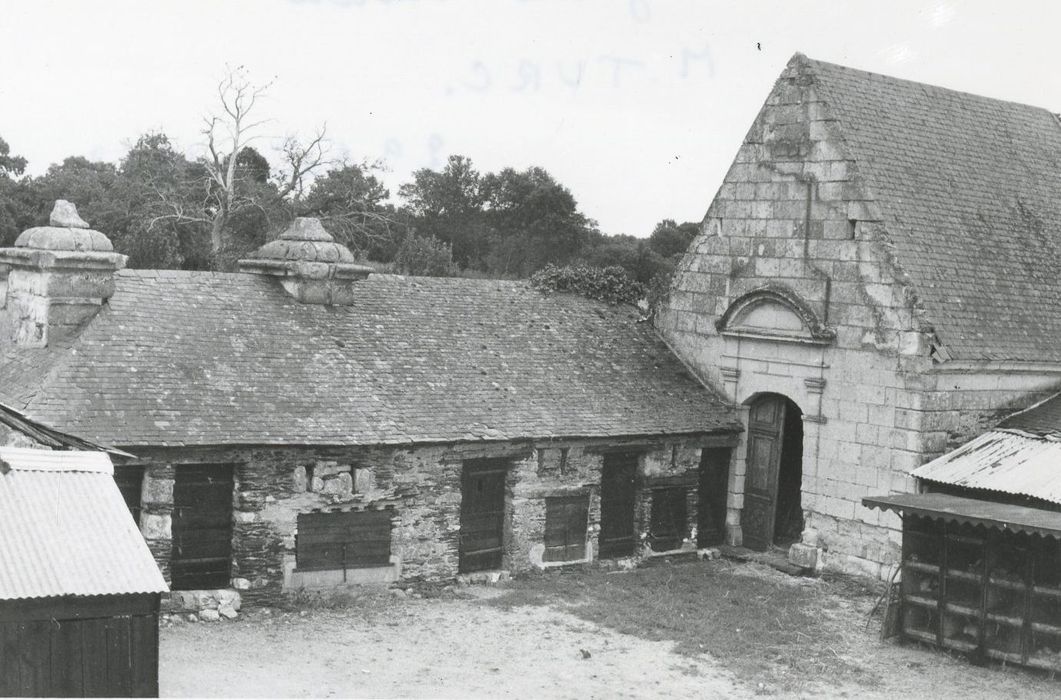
{"type": "Point", "coordinates": [637, 106]}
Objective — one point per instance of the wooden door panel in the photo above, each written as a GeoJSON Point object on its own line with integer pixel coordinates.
{"type": "Point", "coordinates": [765, 435]}
{"type": "Point", "coordinates": [762, 458]}
{"type": "Point", "coordinates": [565, 528]}
{"type": "Point", "coordinates": [202, 526]}
{"type": "Point", "coordinates": [482, 517]}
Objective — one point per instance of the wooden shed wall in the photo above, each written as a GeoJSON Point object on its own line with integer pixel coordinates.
{"type": "Point", "coordinates": [102, 646]}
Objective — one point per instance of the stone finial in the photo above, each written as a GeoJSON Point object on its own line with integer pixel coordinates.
{"type": "Point", "coordinates": [306, 228]}
{"type": "Point", "coordinates": [311, 265]}
{"type": "Point", "coordinates": [66, 231]}
{"type": "Point", "coordinates": [64, 215]}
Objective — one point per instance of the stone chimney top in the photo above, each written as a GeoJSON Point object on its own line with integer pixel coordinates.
{"type": "Point", "coordinates": [55, 279]}
{"type": "Point", "coordinates": [311, 266]}
{"type": "Point", "coordinates": [65, 231]}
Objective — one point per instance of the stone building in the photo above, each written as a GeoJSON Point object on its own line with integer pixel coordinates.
{"type": "Point", "coordinates": [304, 423]}
{"type": "Point", "coordinates": [875, 282]}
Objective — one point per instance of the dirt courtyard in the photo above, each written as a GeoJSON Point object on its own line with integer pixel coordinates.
{"type": "Point", "coordinates": [561, 638]}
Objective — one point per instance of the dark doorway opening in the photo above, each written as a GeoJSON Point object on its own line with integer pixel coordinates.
{"type": "Point", "coordinates": [772, 513]}
{"type": "Point", "coordinates": [713, 492]}
{"type": "Point", "coordinates": [482, 515]}
{"type": "Point", "coordinates": [617, 495]}
{"type": "Point", "coordinates": [202, 527]}
{"type": "Point", "coordinates": [788, 524]}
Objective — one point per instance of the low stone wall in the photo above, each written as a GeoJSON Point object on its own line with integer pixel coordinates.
{"type": "Point", "coordinates": [201, 606]}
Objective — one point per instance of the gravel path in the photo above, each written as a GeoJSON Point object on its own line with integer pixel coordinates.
{"type": "Point", "coordinates": [428, 648]}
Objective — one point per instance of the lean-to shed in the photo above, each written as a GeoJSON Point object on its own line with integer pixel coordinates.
{"type": "Point", "coordinates": [79, 590]}
{"type": "Point", "coordinates": [981, 554]}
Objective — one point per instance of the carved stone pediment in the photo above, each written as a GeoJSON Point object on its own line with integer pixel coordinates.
{"type": "Point", "coordinates": [774, 313]}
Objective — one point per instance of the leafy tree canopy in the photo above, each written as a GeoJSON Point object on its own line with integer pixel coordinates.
{"type": "Point", "coordinates": [9, 164]}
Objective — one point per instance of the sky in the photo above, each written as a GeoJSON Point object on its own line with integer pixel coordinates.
{"type": "Point", "coordinates": [637, 106]}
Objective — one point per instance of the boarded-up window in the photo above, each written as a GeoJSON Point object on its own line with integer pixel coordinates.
{"type": "Point", "coordinates": [667, 524]}
{"type": "Point", "coordinates": [565, 527]}
{"type": "Point", "coordinates": [130, 481]}
{"type": "Point", "coordinates": [202, 527]}
{"type": "Point", "coordinates": [343, 540]}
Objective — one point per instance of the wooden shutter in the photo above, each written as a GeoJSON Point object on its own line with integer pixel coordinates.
{"type": "Point", "coordinates": [667, 525]}
{"type": "Point", "coordinates": [565, 527]}
{"type": "Point", "coordinates": [351, 540]}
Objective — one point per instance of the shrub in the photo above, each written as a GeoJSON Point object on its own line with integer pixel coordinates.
{"type": "Point", "coordinates": [426, 256]}
{"type": "Point", "coordinates": [610, 284]}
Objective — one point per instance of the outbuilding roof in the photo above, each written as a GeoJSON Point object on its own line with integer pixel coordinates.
{"type": "Point", "coordinates": [1005, 461]}
{"type": "Point", "coordinates": [67, 530]}
{"type": "Point", "coordinates": [201, 358]}
{"type": "Point", "coordinates": [969, 187]}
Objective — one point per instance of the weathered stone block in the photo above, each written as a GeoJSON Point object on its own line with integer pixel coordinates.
{"type": "Point", "coordinates": [804, 556]}
{"type": "Point", "coordinates": [156, 527]}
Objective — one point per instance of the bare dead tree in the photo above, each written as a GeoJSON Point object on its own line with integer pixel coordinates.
{"type": "Point", "coordinates": [226, 135]}
{"type": "Point", "coordinates": [227, 132]}
{"type": "Point", "coordinates": [301, 160]}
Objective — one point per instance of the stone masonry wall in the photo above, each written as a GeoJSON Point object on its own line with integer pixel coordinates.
{"type": "Point", "coordinates": [421, 485]}
{"type": "Point", "coordinates": [794, 216]}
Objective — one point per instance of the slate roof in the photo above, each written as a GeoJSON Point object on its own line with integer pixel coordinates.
{"type": "Point", "coordinates": [49, 437]}
{"type": "Point", "coordinates": [67, 530]}
{"type": "Point", "coordinates": [200, 358]}
{"type": "Point", "coordinates": [1044, 418]}
{"type": "Point", "coordinates": [970, 188]}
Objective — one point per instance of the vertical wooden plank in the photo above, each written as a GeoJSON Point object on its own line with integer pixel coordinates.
{"type": "Point", "coordinates": [9, 665]}
{"type": "Point", "coordinates": [145, 656]}
{"type": "Point", "coordinates": [35, 657]}
{"type": "Point", "coordinates": [94, 657]}
{"type": "Point", "coordinates": [67, 681]}
{"type": "Point", "coordinates": [119, 656]}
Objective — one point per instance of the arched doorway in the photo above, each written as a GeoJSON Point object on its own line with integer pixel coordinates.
{"type": "Point", "coordinates": [772, 513]}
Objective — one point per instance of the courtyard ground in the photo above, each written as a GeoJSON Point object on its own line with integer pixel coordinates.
{"type": "Point", "coordinates": [712, 629]}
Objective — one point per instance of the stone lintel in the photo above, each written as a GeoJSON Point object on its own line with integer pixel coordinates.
{"type": "Point", "coordinates": [61, 260]}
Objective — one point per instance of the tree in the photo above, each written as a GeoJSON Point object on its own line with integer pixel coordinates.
{"type": "Point", "coordinates": [670, 239]}
{"type": "Point", "coordinates": [352, 204]}
{"type": "Point", "coordinates": [9, 164]}
{"type": "Point", "coordinates": [237, 194]}
{"type": "Point", "coordinates": [448, 205]}
{"type": "Point", "coordinates": [151, 173]}
{"type": "Point", "coordinates": [425, 256]}
{"type": "Point", "coordinates": [16, 203]}
{"type": "Point", "coordinates": [535, 219]}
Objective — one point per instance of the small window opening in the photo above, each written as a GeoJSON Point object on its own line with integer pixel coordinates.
{"type": "Point", "coordinates": [852, 229]}
{"type": "Point", "coordinates": [563, 460]}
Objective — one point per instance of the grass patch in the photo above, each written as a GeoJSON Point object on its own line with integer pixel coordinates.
{"type": "Point", "coordinates": [763, 626]}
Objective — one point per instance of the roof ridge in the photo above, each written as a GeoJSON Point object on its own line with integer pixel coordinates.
{"type": "Point", "coordinates": [814, 62]}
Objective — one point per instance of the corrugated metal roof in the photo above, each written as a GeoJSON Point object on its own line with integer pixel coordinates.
{"type": "Point", "coordinates": [1003, 516]}
{"type": "Point", "coordinates": [66, 529]}
{"type": "Point", "coordinates": [1002, 460]}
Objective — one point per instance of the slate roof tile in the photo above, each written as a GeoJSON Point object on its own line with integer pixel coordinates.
{"type": "Point", "coordinates": [198, 358]}
{"type": "Point", "coordinates": [969, 189]}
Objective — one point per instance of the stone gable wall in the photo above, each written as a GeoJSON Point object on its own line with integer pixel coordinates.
{"type": "Point", "coordinates": [795, 214]}
{"type": "Point", "coordinates": [422, 486]}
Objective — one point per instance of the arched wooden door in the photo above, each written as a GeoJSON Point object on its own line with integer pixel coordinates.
{"type": "Point", "coordinates": [766, 432]}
